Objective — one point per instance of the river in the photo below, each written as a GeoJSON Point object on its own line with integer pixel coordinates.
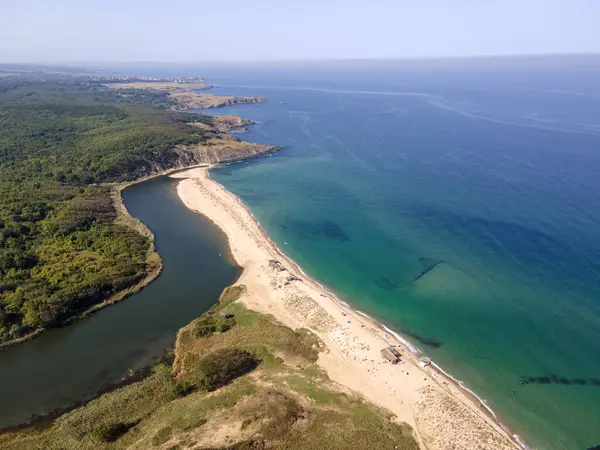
{"type": "Point", "coordinates": [68, 365]}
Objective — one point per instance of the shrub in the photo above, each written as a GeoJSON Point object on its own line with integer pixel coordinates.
{"type": "Point", "coordinates": [208, 324]}
{"type": "Point", "coordinates": [110, 432]}
{"type": "Point", "coordinates": [204, 328]}
{"type": "Point", "coordinates": [223, 366]}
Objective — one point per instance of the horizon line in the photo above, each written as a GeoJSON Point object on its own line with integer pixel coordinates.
{"type": "Point", "coordinates": [304, 60]}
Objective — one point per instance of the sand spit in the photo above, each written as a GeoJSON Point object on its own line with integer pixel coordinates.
{"type": "Point", "coordinates": [442, 414]}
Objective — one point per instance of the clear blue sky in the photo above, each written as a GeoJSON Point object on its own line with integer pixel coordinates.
{"type": "Point", "coordinates": [233, 30]}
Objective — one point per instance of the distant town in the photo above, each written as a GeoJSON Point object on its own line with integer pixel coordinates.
{"type": "Point", "coordinates": [129, 79]}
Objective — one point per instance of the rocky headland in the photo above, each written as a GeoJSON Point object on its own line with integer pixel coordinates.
{"type": "Point", "coordinates": [185, 95]}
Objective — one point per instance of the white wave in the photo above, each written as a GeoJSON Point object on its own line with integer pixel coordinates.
{"type": "Point", "coordinates": [519, 441]}
{"type": "Point", "coordinates": [363, 314]}
{"type": "Point", "coordinates": [414, 350]}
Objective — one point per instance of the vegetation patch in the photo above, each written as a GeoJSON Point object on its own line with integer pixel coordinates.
{"type": "Point", "coordinates": [287, 402]}
{"type": "Point", "coordinates": [127, 405]}
{"type": "Point", "coordinates": [209, 323]}
{"type": "Point", "coordinates": [262, 335]}
{"type": "Point", "coordinates": [266, 339]}
{"type": "Point", "coordinates": [162, 436]}
{"type": "Point", "coordinates": [275, 412]}
{"type": "Point", "coordinates": [229, 295]}
{"type": "Point", "coordinates": [221, 367]}
{"type": "Point", "coordinates": [110, 432]}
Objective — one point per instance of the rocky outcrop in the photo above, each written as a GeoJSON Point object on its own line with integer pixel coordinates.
{"type": "Point", "coordinates": [229, 123]}
{"type": "Point", "coordinates": [194, 100]}
{"type": "Point", "coordinates": [185, 95]}
{"type": "Point", "coordinates": [220, 150]}
{"type": "Point", "coordinates": [227, 101]}
{"type": "Point", "coordinates": [210, 152]}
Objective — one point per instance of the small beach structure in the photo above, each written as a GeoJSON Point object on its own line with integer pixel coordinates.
{"type": "Point", "coordinates": [395, 351]}
{"type": "Point", "coordinates": [225, 315]}
{"type": "Point", "coordinates": [275, 265]}
{"type": "Point", "coordinates": [391, 354]}
{"type": "Point", "coordinates": [424, 361]}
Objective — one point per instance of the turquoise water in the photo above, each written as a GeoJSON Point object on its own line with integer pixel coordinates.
{"type": "Point", "coordinates": [459, 206]}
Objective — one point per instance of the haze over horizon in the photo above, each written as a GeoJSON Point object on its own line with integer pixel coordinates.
{"type": "Point", "coordinates": [68, 31]}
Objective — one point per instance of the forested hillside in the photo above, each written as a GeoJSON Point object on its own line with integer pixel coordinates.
{"type": "Point", "coordinates": [61, 250]}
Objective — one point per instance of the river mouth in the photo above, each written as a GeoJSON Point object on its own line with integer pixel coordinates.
{"type": "Point", "coordinates": [66, 366]}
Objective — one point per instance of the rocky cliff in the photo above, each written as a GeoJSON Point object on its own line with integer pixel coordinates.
{"type": "Point", "coordinates": [194, 100]}
{"type": "Point", "coordinates": [222, 149]}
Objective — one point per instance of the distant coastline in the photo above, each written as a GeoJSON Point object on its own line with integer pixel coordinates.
{"type": "Point", "coordinates": [185, 95]}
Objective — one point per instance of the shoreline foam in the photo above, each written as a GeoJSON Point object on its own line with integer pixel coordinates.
{"type": "Point", "coordinates": [198, 192]}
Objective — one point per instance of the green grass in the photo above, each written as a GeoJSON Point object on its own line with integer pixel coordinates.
{"type": "Point", "coordinates": [209, 324]}
{"type": "Point", "coordinates": [229, 295]}
{"type": "Point", "coordinates": [220, 368]}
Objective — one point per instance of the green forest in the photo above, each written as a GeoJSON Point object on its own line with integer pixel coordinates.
{"type": "Point", "coordinates": [62, 140]}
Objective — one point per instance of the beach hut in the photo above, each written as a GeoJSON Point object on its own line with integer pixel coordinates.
{"type": "Point", "coordinates": [395, 352]}
{"type": "Point", "coordinates": [424, 361]}
{"type": "Point", "coordinates": [276, 265]}
{"type": "Point", "coordinates": [388, 354]}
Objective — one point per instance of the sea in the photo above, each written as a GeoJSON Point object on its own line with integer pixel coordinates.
{"type": "Point", "coordinates": [455, 201]}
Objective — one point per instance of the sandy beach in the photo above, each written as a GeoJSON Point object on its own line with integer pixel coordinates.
{"type": "Point", "coordinates": [442, 414]}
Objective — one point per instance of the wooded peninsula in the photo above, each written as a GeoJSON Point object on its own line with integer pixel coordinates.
{"type": "Point", "coordinates": [66, 142]}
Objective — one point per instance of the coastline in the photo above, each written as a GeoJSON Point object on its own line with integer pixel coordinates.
{"type": "Point", "coordinates": [439, 408]}
{"type": "Point", "coordinates": [186, 95]}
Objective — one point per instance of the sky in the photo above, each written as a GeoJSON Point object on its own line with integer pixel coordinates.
{"type": "Point", "coordinates": [271, 30]}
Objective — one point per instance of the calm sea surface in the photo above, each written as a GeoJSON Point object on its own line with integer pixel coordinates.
{"type": "Point", "coordinates": [459, 206]}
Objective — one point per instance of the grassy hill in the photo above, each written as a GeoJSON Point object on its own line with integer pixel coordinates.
{"type": "Point", "coordinates": [254, 385]}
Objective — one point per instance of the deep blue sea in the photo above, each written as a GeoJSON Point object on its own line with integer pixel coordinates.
{"type": "Point", "coordinates": [456, 202]}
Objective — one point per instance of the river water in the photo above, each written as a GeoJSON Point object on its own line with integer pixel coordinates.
{"type": "Point", "coordinates": [68, 365]}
